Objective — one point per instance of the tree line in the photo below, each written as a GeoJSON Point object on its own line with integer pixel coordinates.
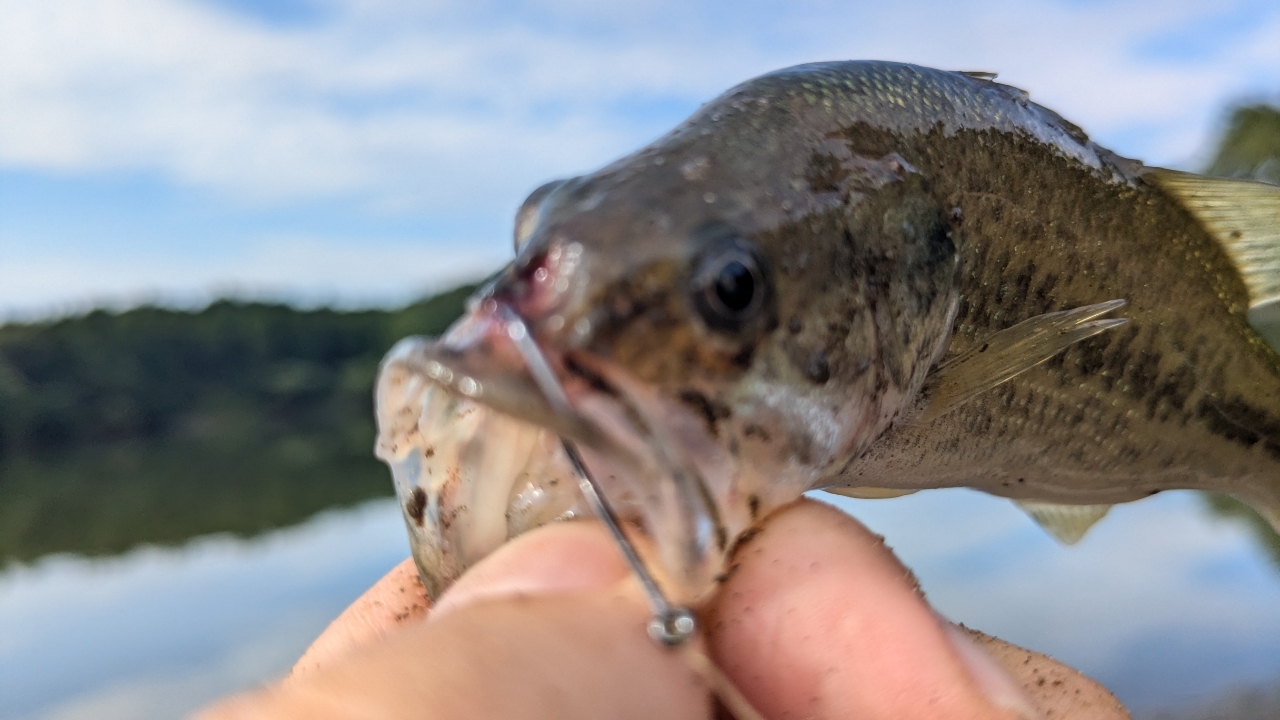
{"type": "Point", "coordinates": [156, 425]}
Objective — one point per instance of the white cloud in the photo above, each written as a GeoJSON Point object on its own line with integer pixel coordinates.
{"type": "Point", "coordinates": [335, 270]}
{"type": "Point", "coordinates": [438, 104]}
{"type": "Point", "coordinates": [452, 110]}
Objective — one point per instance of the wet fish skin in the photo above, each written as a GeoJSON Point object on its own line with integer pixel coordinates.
{"type": "Point", "coordinates": [856, 249]}
{"type": "Point", "coordinates": [898, 216]}
{"type": "Point", "coordinates": [1044, 221]}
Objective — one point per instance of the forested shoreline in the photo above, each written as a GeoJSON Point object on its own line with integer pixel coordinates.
{"type": "Point", "coordinates": [156, 425]}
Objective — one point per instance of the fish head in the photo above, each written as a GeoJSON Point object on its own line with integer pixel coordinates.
{"type": "Point", "coordinates": [731, 313]}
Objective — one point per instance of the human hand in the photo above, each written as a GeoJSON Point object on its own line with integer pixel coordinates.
{"type": "Point", "coordinates": [817, 620]}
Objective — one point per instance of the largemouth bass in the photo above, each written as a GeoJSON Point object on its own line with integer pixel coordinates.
{"type": "Point", "coordinates": [867, 277]}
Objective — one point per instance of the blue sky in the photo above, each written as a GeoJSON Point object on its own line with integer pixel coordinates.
{"type": "Point", "coordinates": [367, 151]}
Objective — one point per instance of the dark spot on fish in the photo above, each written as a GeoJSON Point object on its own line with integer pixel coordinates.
{"type": "Point", "coordinates": [984, 347]}
{"type": "Point", "coordinates": [1143, 370]}
{"type": "Point", "coordinates": [430, 451]}
{"type": "Point", "coordinates": [722, 538]}
{"type": "Point", "coordinates": [746, 537]}
{"type": "Point", "coordinates": [446, 520]}
{"type": "Point", "coordinates": [1044, 291]}
{"type": "Point", "coordinates": [702, 405]}
{"type": "Point", "coordinates": [1242, 423]}
{"type": "Point", "coordinates": [1021, 286]}
{"type": "Point", "coordinates": [753, 505]}
{"type": "Point", "coordinates": [417, 505]}
{"type": "Point", "coordinates": [743, 358]}
{"type": "Point", "coordinates": [817, 369]}
{"type": "Point", "coordinates": [1175, 388]}
{"type": "Point", "coordinates": [1022, 480]}
{"type": "Point", "coordinates": [794, 325]}
{"type": "Point", "coordinates": [758, 431]}
{"type": "Point", "coordinates": [591, 377]}
{"type": "Point", "coordinates": [825, 173]}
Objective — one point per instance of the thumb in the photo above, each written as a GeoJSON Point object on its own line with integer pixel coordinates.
{"type": "Point", "coordinates": [549, 626]}
{"type": "Point", "coordinates": [818, 619]}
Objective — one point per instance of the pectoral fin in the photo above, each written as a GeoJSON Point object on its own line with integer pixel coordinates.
{"type": "Point", "coordinates": [868, 493]}
{"type": "Point", "coordinates": [1067, 523]}
{"type": "Point", "coordinates": [1012, 351]}
{"type": "Point", "coordinates": [1244, 217]}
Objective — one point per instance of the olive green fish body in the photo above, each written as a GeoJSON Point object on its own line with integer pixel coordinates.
{"type": "Point", "coordinates": [1185, 395]}
{"type": "Point", "coordinates": [861, 182]}
{"type": "Point", "coordinates": [865, 276]}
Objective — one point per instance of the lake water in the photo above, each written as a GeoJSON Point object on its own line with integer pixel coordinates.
{"type": "Point", "coordinates": [1165, 603]}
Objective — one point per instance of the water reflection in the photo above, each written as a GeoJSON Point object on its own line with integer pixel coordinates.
{"type": "Point", "coordinates": [1165, 603]}
{"type": "Point", "coordinates": [158, 631]}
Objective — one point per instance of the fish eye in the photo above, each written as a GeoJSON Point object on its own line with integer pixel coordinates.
{"type": "Point", "coordinates": [729, 285]}
{"type": "Point", "coordinates": [735, 286]}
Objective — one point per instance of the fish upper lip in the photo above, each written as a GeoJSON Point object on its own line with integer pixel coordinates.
{"type": "Point", "coordinates": [479, 358]}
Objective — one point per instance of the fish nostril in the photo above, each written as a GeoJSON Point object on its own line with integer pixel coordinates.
{"type": "Point", "coordinates": [531, 266]}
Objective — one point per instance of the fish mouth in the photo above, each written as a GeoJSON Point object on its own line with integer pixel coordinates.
{"type": "Point", "coordinates": [490, 361]}
{"type": "Point", "coordinates": [490, 357]}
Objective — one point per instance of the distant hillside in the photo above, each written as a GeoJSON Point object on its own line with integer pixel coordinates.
{"type": "Point", "coordinates": [1251, 146]}
{"type": "Point", "coordinates": [156, 425]}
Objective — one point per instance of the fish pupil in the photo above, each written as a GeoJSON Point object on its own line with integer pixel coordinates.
{"type": "Point", "coordinates": [729, 283]}
{"type": "Point", "coordinates": [735, 286]}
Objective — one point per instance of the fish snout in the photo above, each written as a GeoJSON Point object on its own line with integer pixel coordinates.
{"type": "Point", "coordinates": [490, 356]}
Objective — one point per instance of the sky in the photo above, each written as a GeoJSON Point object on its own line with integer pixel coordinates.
{"type": "Point", "coordinates": [365, 152]}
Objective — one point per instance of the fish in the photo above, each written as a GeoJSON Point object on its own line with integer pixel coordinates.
{"type": "Point", "coordinates": [871, 278]}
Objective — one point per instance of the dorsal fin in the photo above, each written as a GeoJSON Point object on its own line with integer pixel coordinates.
{"type": "Point", "coordinates": [1067, 523]}
{"type": "Point", "coordinates": [1244, 217]}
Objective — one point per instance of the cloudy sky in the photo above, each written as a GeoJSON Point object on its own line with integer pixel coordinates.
{"type": "Point", "coordinates": [366, 151]}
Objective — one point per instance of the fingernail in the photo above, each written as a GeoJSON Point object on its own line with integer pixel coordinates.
{"type": "Point", "coordinates": [567, 557]}
{"type": "Point", "coordinates": [990, 678]}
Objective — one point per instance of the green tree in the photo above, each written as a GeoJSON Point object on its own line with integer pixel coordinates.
{"type": "Point", "coordinates": [156, 425]}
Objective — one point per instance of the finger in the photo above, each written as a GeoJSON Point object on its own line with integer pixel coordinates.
{"type": "Point", "coordinates": [555, 651]}
{"type": "Point", "coordinates": [397, 598]}
{"type": "Point", "coordinates": [564, 557]}
{"type": "Point", "coordinates": [818, 619]}
{"type": "Point", "coordinates": [556, 560]}
{"type": "Point", "coordinates": [1060, 692]}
